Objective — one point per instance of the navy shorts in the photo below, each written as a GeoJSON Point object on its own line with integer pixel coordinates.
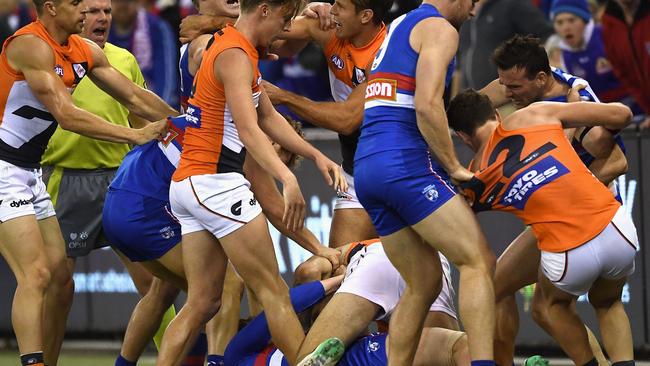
{"type": "Point", "coordinates": [141, 227]}
{"type": "Point", "coordinates": [400, 188]}
{"type": "Point", "coordinates": [367, 351]}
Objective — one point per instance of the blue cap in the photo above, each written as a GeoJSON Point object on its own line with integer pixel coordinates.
{"type": "Point", "coordinates": [576, 7]}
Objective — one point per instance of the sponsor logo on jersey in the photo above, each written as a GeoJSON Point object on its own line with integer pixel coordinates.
{"type": "Point", "coordinates": [338, 62]}
{"type": "Point", "coordinates": [532, 179]}
{"type": "Point", "coordinates": [383, 89]}
{"type": "Point", "coordinates": [236, 208]}
{"type": "Point", "coordinates": [193, 116]}
{"type": "Point", "coordinates": [80, 71]}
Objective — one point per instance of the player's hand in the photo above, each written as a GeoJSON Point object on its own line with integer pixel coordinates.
{"type": "Point", "coordinates": [460, 175]}
{"type": "Point", "coordinates": [332, 255]}
{"type": "Point", "coordinates": [193, 26]}
{"type": "Point", "coordinates": [274, 93]}
{"type": "Point", "coordinates": [332, 284]}
{"type": "Point", "coordinates": [322, 12]}
{"type": "Point", "coordinates": [156, 130]}
{"type": "Point", "coordinates": [332, 173]}
{"type": "Point", "coordinates": [294, 205]}
{"type": "Point", "coordinates": [574, 93]}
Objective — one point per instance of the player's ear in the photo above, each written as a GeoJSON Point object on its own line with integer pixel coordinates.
{"type": "Point", "coordinates": [464, 137]}
{"type": "Point", "coordinates": [497, 115]}
{"type": "Point", "coordinates": [264, 9]}
{"type": "Point", "coordinates": [541, 78]}
{"type": "Point", "coordinates": [50, 7]}
{"type": "Point", "coordinates": [366, 16]}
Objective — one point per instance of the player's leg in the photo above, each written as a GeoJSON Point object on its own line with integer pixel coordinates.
{"type": "Point", "coordinates": [442, 313]}
{"type": "Point", "coordinates": [313, 269]}
{"type": "Point", "coordinates": [605, 297]}
{"type": "Point", "coordinates": [205, 267]}
{"type": "Point", "coordinates": [146, 318]}
{"type": "Point", "coordinates": [454, 230]}
{"type": "Point", "coordinates": [350, 225]}
{"type": "Point", "coordinates": [516, 267]}
{"type": "Point", "coordinates": [225, 324]}
{"type": "Point", "coordinates": [565, 325]}
{"type": "Point", "coordinates": [251, 252]}
{"type": "Point", "coordinates": [345, 317]}
{"type": "Point", "coordinates": [443, 347]}
{"type": "Point", "coordinates": [59, 295]}
{"type": "Point", "coordinates": [22, 247]}
{"type": "Point", "coordinates": [419, 265]}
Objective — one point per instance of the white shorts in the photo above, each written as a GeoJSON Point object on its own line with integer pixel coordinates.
{"type": "Point", "coordinates": [22, 193]}
{"type": "Point", "coordinates": [371, 275]}
{"type": "Point", "coordinates": [609, 255]}
{"type": "Point", "coordinates": [348, 199]}
{"type": "Point", "coordinates": [218, 203]}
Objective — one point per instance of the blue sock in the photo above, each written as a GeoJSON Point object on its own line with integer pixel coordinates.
{"type": "Point", "coordinates": [483, 363]}
{"type": "Point", "coordinates": [196, 355]}
{"type": "Point", "coordinates": [121, 361]}
{"type": "Point", "coordinates": [215, 360]}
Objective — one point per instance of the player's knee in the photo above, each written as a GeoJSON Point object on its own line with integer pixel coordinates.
{"type": "Point", "coordinates": [163, 295]}
{"type": "Point", "coordinates": [307, 272]}
{"type": "Point", "coordinates": [36, 278]}
{"type": "Point", "coordinates": [539, 312]}
{"type": "Point", "coordinates": [204, 307]}
{"type": "Point", "coordinates": [604, 302]}
{"type": "Point", "coordinates": [460, 351]}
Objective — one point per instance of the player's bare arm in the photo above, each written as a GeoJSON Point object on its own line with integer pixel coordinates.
{"type": "Point", "coordinates": [496, 92]}
{"type": "Point", "coordinates": [195, 52]}
{"type": "Point", "coordinates": [34, 58]}
{"type": "Point", "coordinates": [614, 116]}
{"type": "Point", "coordinates": [136, 99]}
{"type": "Point", "coordinates": [303, 30]}
{"type": "Point", "coordinates": [435, 40]}
{"type": "Point", "coordinates": [342, 117]}
{"type": "Point", "coordinates": [270, 198]}
{"type": "Point", "coordinates": [195, 25]}
{"type": "Point", "coordinates": [273, 124]}
{"type": "Point", "coordinates": [610, 167]}
{"type": "Point", "coordinates": [233, 69]}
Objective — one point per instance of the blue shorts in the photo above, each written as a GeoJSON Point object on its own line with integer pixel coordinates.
{"type": "Point", "coordinates": [367, 351]}
{"type": "Point", "coordinates": [141, 227]}
{"type": "Point", "coordinates": [400, 188]}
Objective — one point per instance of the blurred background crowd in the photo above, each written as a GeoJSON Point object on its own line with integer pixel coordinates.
{"type": "Point", "coordinates": [606, 42]}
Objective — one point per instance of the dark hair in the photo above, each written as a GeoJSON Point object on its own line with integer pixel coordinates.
{"type": "Point", "coordinates": [38, 4]}
{"type": "Point", "coordinates": [525, 52]}
{"type": "Point", "coordinates": [469, 110]}
{"type": "Point", "coordinates": [196, 3]}
{"type": "Point", "coordinates": [294, 5]}
{"type": "Point", "coordinates": [380, 8]}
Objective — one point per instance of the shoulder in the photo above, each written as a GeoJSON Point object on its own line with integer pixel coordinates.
{"type": "Point", "coordinates": [436, 31]}
{"type": "Point", "coordinates": [31, 49]}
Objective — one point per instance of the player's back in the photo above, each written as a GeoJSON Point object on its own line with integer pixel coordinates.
{"type": "Point", "coordinates": [534, 173]}
{"type": "Point", "coordinates": [25, 124]}
{"type": "Point", "coordinates": [211, 143]}
{"type": "Point", "coordinates": [389, 120]}
{"type": "Point", "coordinates": [148, 168]}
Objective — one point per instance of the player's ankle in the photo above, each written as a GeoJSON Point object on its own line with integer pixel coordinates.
{"type": "Point", "coordinates": [121, 361]}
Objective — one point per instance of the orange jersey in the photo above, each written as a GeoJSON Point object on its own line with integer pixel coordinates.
{"type": "Point", "coordinates": [534, 173]}
{"type": "Point", "coordinates": [347, 64]}
{"type": "Point", "coordinates": [211, 144]}
{"type": "Point", "coordinates": [357, 246]}
{"type": "Point", "coordinates": [25, 124]}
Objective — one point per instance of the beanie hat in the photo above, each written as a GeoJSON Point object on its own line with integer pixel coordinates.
{"type": "Point", "coordinates": [576, 7]}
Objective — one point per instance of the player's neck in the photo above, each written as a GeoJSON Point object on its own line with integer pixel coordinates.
{"type": "Point", "coordinates": [553, 89]}
{"type": "Point", "coordinates": [247, 27]}
{"type": "Point", "coordinates": [59, 35]}
{"type": "Point", "coordinates": [364, 37]}
{"type": "Point", "coordinates": [481, 137]}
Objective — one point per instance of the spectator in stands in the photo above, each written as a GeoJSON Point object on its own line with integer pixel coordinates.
{"type": "Point", "coordinates": [14, 14]}
{"type": "Point", "coordinates": [153, 43]}
{"type": "Point", "coordinates": [626, 33]}
{"type": "Point", "coordinates": [581, 49]}
{"type": "Point", "coordinates": [495, 22]}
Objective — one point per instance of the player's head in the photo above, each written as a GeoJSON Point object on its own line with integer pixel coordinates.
{"type": "Point", "coordinates": [271, 17]}
{"type": "Point", "coordinates": [351, 16]}
{"type": "Point", "coordinates": [570, 17]}
{"type": "Point", "coordinates": [98, 21]}
{"type": "Point", "coordinates": [68, 15]}
{"type": "Point", "coordinates": [228, 8]}
{"type": "Point", "coordinates": [125, 13]}
{"type": "Point", "coordinates": [291, 160]}
{"type": "Point", "coordinates": [458, 11]}
{"type": "Point", "coordinates": [522, 64]}
{"type": "Point", "coordinates": [469, 111]}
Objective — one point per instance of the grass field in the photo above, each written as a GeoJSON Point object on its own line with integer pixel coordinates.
{"type": "Point", "coordinates": [77, 358]}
